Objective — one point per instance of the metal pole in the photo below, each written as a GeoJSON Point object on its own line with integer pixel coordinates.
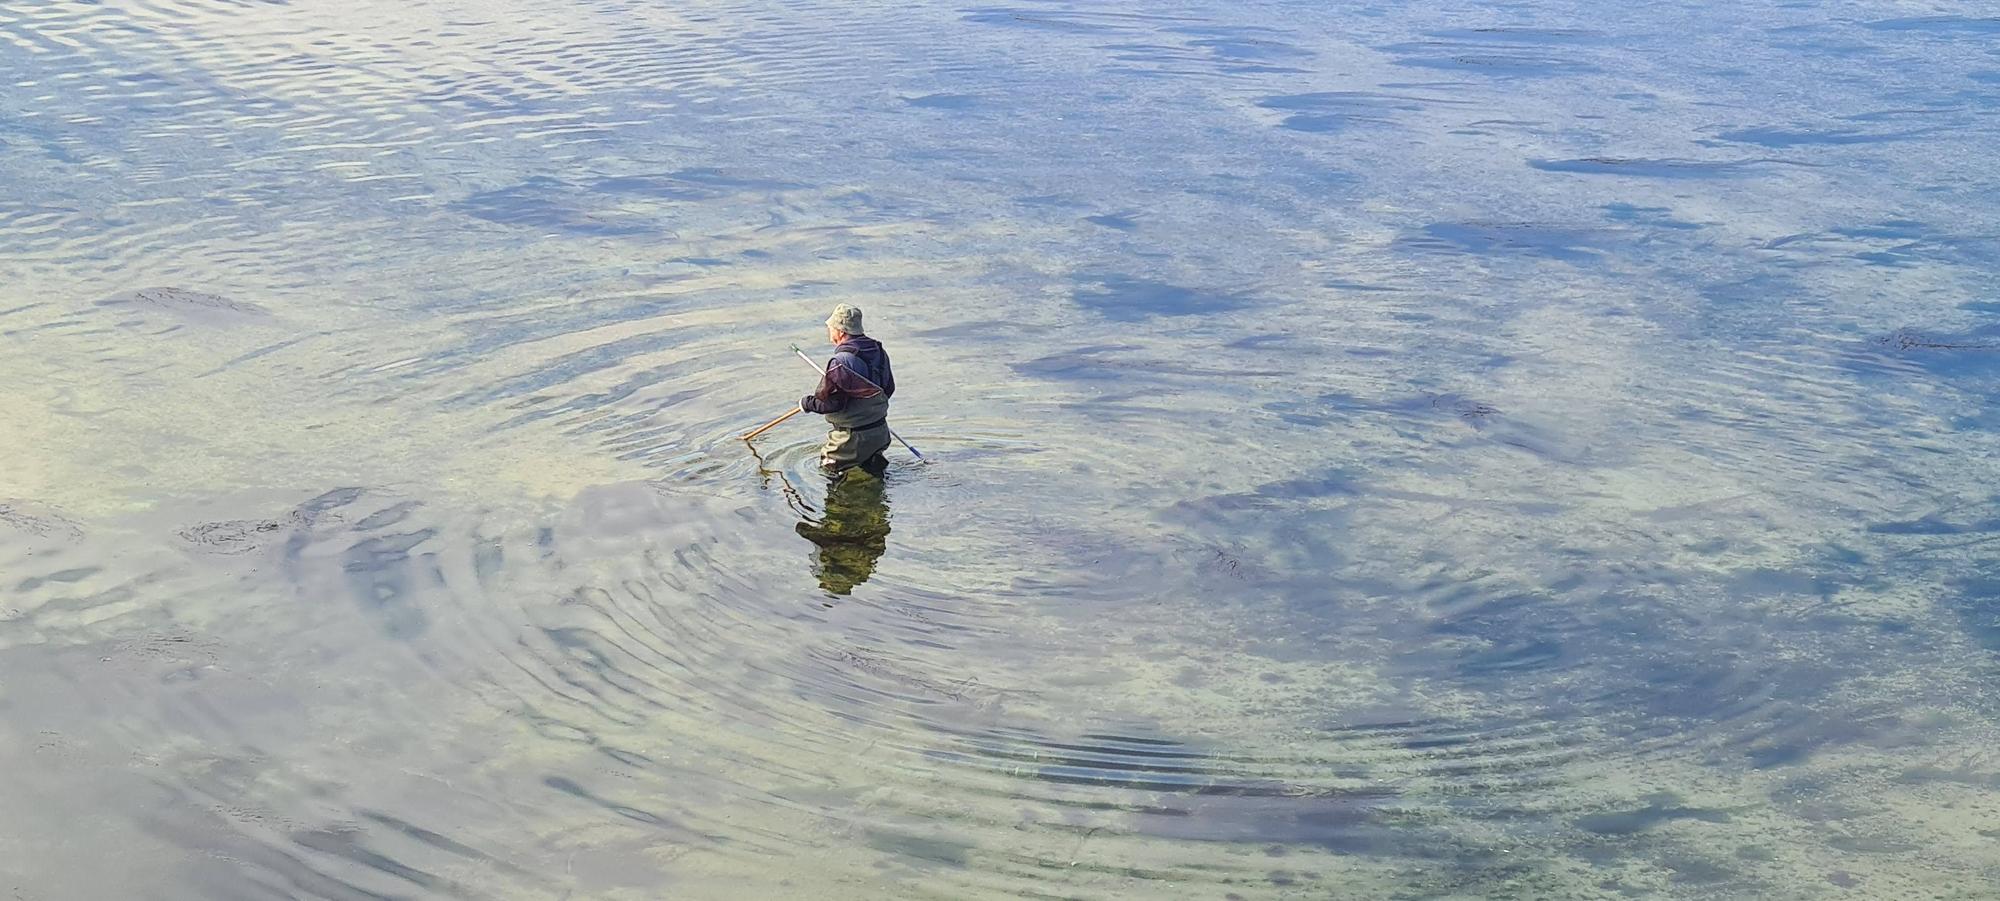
{"type": "Point", "coordinates": [821, 368]}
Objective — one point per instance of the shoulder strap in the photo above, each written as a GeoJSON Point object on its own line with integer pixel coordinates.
{"type": "Point", "coordinates": [853, 363]}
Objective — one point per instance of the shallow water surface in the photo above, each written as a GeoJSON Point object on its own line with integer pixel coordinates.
{"type": "Point", "coordinates": [1536, 450]}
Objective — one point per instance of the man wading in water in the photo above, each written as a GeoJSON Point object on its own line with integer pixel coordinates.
{"type": "Point", "coordinates": [854, 395]}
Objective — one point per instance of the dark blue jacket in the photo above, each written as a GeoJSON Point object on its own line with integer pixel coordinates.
{"type": "Point", "coordinates": [855, 390]}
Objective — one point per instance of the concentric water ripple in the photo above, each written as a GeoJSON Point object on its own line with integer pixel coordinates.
{"type": "Point", "coordinates": [1445, 452]}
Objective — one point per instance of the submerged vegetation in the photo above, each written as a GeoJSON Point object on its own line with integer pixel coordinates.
{"type": "Point", "coordinates": [1454, 451]}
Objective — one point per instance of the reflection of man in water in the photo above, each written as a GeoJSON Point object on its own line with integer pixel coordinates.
{"type": "Point", "coordinates": [852, 533]}
{"type": "Point", "coordinates": [854, 396]}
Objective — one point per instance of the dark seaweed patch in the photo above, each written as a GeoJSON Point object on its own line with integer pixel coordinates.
{"type": "Point", "coordinates": [1324, 409]}
{"type": "Point", "coordinates": [1797, 738]}
{"type": "Point", "coordinates": [1040, 18]}
{"type": "Point", "coordinates": [169, 656]}
{"type": "Point", "coordinates": [387, 516]}
{"type": "Point", "coordinates": [66, 576]}
{"type": "Point", "coordinates": [1113, 220]}
{"type": "Point", "coordinates": [573, 789]}
{"type": "Point", "coordinates": [1948, 25]}
{"type": "Point", "coordinates": [1503, 659]}
{"type": "Point", "coordinates": [235, 536]}
{"type": "Point", "coordinates": [1126, 298]}
{"type": "Point", "coordinates": [1932, 524]}
{"type": "Point", "coordinates": [325, 506]}
{"type": "Point", "coordinates": [1910, 339]}
{"type": "Point", "coordinates": [444, 843]}
{"type": "Point", "coordinates": [347, 846]}
{"type": "Point", "coordinates": [241, 536]}
{"type": "Point", "coordinates": [1348, 822]}
{"type": "Point", "coordinates": [1569, 245]}
{"type": "Point", "coordinates": [199, 305]}
{"type": "Point", "coordinates": [1654, 216]}
{"type": "Point", "coordinates": [1471, 411]}
{"type": "Point", "coordinates": [1334, 484]}
{"type": "Point", "coordinates": [1888, 229]}
{"type": "Point", "coordinates": [927, 848]}
{"type": "Point", "coordinates": [1870, 844]}
{"type": "Point", "coordinates": [378, 572]}
{"type": "Point", "coordinates": [953, 102]}
{"type": "Point", "coordinates": [1244, 49]}
{"type": "Point", "coordinates": [1522, 34]}
{"type": "Point", "coordinates": [1081, 363]}
{"type": "Point", "coordinates": [1690, 870]}
{"type": "Point", "coordinates": [1509, 635]}
{"type": "Point", "coordinates": [1332, 111]}
{"type": "Point", "coordinates": [547, 203]}
{"type": "Point", "coordinates": [1962, 775]}
{"type": "Point", "coordinates": [1241, 43]}
{"type": "Point", "coordinates": [1661, 808]}
{"type": "Point", "coordinates": [1649, 168]}
{"type": "Point", "coordinates": [1490, 58]}
{"type": "Point", "coordinates": [1977, 602]}
{"type": "Point", "coordinates": [1972, 354]}
{"type": "Point", "coordinates": [1779, 137]}
{"type": "Point", "coordinates": [21, 517]}
{"type": "Point", "coordinates": [690, 184]}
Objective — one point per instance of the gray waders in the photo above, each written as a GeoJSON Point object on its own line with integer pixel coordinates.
{"type": "Point", "coordinates": [848, 448]}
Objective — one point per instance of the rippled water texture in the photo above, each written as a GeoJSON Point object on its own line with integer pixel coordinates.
{"type": "Point", "coordinates": [1536, 450]}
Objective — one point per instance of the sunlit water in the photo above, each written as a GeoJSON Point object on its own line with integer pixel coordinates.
{"type": "Point", "coordinates": [1534, 450]}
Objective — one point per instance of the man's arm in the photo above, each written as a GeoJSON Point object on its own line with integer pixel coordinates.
{"type": "Point", "coordinates": [830, 396]}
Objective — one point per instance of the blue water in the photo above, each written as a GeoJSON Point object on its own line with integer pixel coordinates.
{"type": "Point", "coordinates": [1533, 450]}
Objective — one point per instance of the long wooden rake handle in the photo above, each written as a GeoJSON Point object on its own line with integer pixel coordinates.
{"type": "Point", "coordinates": [772, 424]}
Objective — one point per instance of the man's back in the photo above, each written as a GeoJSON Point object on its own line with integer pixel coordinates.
{"type": "Point", "coordinates": [856, 388]}
{"type": "Point", "coordinates": [868, 359]}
